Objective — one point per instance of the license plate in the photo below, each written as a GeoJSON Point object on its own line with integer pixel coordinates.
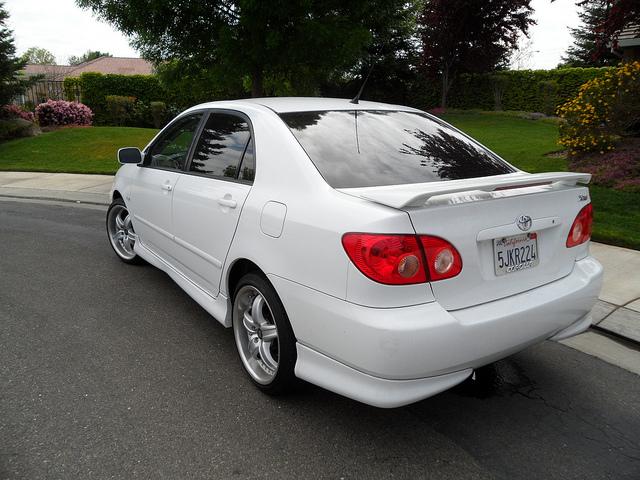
{"type": "Point", "coordinates": [512, 254]}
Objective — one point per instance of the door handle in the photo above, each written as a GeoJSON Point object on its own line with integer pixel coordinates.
{"type": "Point", "coordinates": [167, 187]}
{"type": "Point", "coordinates": [227, 202]}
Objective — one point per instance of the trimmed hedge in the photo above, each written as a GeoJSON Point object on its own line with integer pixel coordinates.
{"type": "Point", "coordinates": [95, 87]}
{"type": "Point", "coordinates": [522, 90]}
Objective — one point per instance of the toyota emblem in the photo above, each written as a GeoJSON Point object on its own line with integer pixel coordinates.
{"type": "Point", "coordinates": [524, 222]}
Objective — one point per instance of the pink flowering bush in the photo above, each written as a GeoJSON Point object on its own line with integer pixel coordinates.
{"type": "Point", "coordinates": [14, 111]}
{"type": "Point", "coordinates": [61, 112]}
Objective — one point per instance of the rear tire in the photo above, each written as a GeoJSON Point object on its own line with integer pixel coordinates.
{"type": "Point", "coordinates": [264, 338]}
{"type": "Point", "coordinates": [120, 231]}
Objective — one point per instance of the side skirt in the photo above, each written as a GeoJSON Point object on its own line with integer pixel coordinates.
{"type": "Point", "coordinates": [218, 307]}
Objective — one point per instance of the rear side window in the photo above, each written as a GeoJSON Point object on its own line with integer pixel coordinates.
{"type": "Point", "coordinates": [376, 147]}
{"type": "Point", "coordinates": [221, 146]}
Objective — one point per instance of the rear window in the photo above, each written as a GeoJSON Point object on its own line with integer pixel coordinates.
{"type": "Point", "coordinates": [367, 148]}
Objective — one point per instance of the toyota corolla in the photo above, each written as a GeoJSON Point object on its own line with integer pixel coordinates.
{"type": "Point", "coordinates": [371, 249]}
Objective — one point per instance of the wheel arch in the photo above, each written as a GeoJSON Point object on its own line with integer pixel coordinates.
{"type": "Point", "coordinates": [239, 268]}
{"type": "Point", "coordinates": [116, 195]}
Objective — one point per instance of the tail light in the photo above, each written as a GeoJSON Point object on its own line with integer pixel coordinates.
{"type": "Point", "coordinates": [388, 259]}
{"type": "Point", "coordinates": [443, 259]}
{"type": "Point", "coordinates": [580, 231]}
{"type": "Point", "coordinates": [401, 259]}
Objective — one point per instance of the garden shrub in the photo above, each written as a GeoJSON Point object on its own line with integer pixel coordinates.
{"type": "Point", "coordinates": [119, 110]}
{"type": "Point", "coordinates": [14, 111]}
{"type": "Point", "coordinates": [521, 90]}
{"type": "Point", "coordinates": [61, 112]}
{"type": "Point", "coordinates": [605, 109]}
{"type": "Point", "coordinates": [159, 114]}
{"type": "Point", "coordinates": [95, 87]}
{"type": "Point", "coordinates": [17, 128]}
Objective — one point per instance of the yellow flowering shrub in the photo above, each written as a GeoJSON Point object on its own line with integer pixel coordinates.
{"type": "Point", "coordinates": [604, 109]}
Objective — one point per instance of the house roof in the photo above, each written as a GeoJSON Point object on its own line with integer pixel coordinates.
{"type": "Point", "coordinates": [117, 65]}
{"type": "Point", "coordinates": [629, 37]}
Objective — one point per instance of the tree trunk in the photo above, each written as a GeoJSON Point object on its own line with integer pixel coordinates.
{"type": "Point", "coordinates": [256, 83]}
{"type": "Point", "coordinates": [445, 87]}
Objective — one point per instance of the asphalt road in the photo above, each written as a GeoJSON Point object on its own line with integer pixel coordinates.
{"type": "Point", "coordinates": [111, 371]}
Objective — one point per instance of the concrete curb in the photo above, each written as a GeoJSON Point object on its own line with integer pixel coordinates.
{"type": "Point", "coordinates": [57, 195]}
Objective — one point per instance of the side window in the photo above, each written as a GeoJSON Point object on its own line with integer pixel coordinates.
{"type": "Point", "coordinates": [248, 167]}
{"type": "Point", "coordinates": [171, 150]}
{"type": "Point", "coordinates": [221, 145]}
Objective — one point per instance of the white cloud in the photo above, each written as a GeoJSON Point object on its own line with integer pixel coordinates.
{"type": "Point", "coordinates": [551, 36]}
{"type": "Point", "coordinates": [63, 28]}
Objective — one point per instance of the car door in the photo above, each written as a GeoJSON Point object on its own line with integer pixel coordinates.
{"type": "Point", "coordinates": [208, 199]}
{"type": "Point", "coordinates": [153, 187]}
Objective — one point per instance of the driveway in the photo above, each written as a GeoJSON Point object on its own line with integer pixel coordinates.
{"type": "Point", "coordinates": [111, 371]}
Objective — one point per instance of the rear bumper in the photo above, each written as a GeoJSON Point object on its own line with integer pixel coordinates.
{"type": "Point", "coordinates": [394, 356]}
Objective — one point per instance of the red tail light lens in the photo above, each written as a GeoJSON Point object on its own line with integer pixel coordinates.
{"type": "Point", "coordinates": [443, 260]}
{"type": "Point", "coordinates": [400, 259]}
{"type": "Point", "coordinates": [388, 259]}
{"type": "Point", "coordinates": [581, 229]}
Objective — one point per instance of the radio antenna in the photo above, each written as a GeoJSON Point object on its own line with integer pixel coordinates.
{"type": "Point", "coordinates": [356, 99]}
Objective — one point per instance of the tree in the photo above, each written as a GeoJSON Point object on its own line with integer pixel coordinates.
{"type": "Point", "coordinates": [389, 63]}
{"type": "Point", "coordinates": [588, 37]}
{"type": "Point", "coordinates": [87, 57]}
{"type": "Point", "coordinates": [285, 42]}
{"type": "Point", "coordinates": [10, 82]}
{"type": "Point", "coordinates": [39, 56]}
{"type": "Point", "coordinates": [620, 14]}
{"type": "Point", "coordinates": [470, 36]}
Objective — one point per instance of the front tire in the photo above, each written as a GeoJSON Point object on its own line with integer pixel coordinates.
{"type": "Point", "coordinates": [122, 237]}
{"type": "Point", "coordinates": [264, 338]}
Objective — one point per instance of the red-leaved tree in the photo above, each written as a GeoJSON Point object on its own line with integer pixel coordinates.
{"type": "Point", "coordinates": [461, 36]}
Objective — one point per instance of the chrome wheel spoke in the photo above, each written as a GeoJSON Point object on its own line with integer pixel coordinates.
{"type": "Point", "coordinates": [119, 222]}
{"type": "Point", "coordinates": [248, 323]}
{"type": "Point", "coordinates": [256, 310]}
{"type": "Point", "coordinates": [254, 346]}
{"type": "Point", "coordinates": [265, 355]}
{"type": "Point", "coordinates": [269, 333]}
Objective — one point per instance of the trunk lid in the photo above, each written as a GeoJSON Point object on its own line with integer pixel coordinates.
{"type": "Point", "coordinates": [472, 213]}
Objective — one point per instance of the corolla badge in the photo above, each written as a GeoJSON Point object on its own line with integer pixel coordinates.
{"type": "Point", "coordinates": [524, 222]}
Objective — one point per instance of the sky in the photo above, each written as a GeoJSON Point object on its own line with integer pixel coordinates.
{"type": "Point", "coordinates": [63, 28]}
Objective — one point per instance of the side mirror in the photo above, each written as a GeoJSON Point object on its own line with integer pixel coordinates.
{"type": "Point", "coordinates": [129, 155]}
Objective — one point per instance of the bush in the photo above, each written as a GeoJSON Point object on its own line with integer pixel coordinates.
{"type": "Point", "coordinates": [10, 111]}
{"type": "Point", "coordinates": [159, 114]}
{"type": "Point", "coordinates": [119, 110]}
{"type": "Point", "coordinates": [605, 109]}
{"type": "Point", "coordinates": [522, 90]}
{"type": "Point", "coordinates": [94, 88]}
{"type": "Point", "coordinates": [61, 112]}
{"type": "Point", "coordinates": [17, 128]}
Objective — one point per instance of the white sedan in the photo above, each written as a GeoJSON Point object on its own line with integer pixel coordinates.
{"type": "Point", "coordinates": [371, 249]}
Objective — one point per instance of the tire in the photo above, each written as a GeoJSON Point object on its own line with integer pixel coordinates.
{"type": "Point", "coordinates": [263, 335]}
{"type": "Point", "coordinates": [120, 231]}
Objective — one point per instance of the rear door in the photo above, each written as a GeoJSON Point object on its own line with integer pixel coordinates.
{"type": "Point", "coordinates": [152, 190]}
{"type": "Point", "coordinates": [209, 197]}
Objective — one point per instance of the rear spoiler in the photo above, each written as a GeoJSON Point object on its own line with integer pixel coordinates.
{"type": "Point", "coordinates": [417, 194]}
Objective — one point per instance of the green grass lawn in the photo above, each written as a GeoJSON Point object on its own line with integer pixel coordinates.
{"type": "Point", "coordinates": [520, 141]}
{"type": "Point", "coordinates": [72, 150]}
{"type": "Point", "coordinates": [524, 143]}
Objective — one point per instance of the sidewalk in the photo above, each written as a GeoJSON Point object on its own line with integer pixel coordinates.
{"type": "Point", "coordinates": [92, 189]}
{"type": "Point", "coordinates": [617, 312]}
